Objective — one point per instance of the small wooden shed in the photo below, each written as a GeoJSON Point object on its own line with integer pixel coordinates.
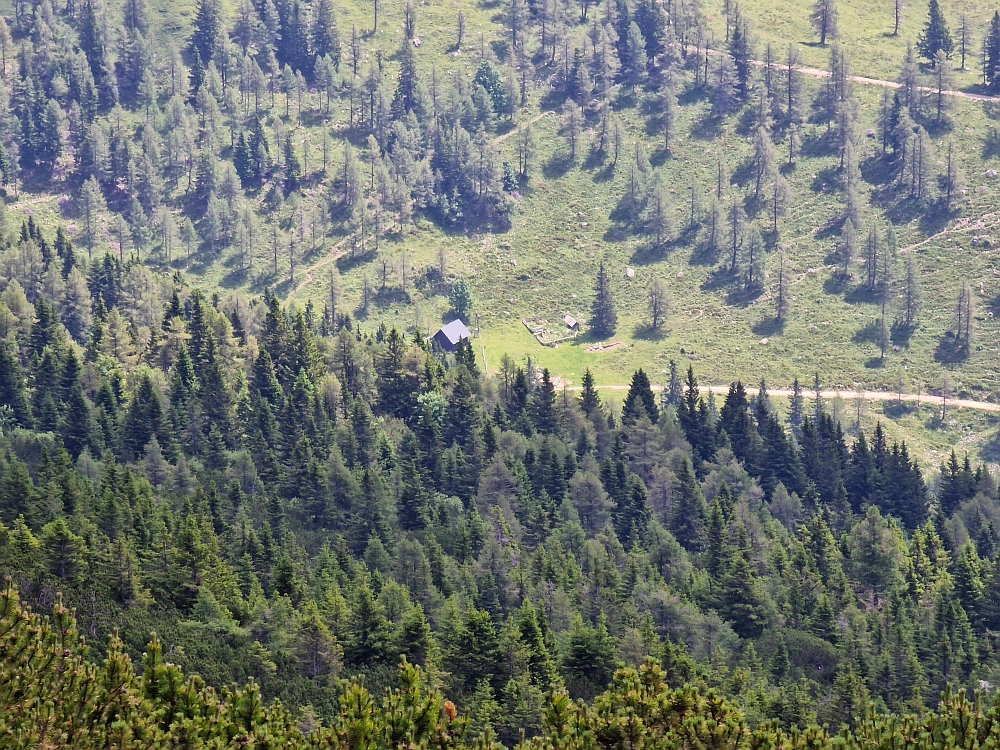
{"type": "Point", "coordinates": [451, 335]}
{"type": "Point", "coordinates": [572, 323]}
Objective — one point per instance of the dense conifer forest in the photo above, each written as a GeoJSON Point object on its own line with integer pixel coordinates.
{"type": "Point", "coordinates": [247, 500]}
{"type": "Point", "coordinates": [295, 501]}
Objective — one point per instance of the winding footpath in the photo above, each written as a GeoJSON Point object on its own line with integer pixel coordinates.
{"type": "Point", "coordinates": [864, 80]}
{"type": "Point", "coordinates": [335, 252]}
{"type": "Point", "coordinates": [520, 127]}
{"type": "Point", "coordinates": [922, 398]}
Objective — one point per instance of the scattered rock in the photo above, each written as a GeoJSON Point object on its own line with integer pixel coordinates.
{"type": "Point", "coordinates": [870, 133]}
{"type": "Point", "coordinates": [584, 224]}
{"type": "Point", "coordinates": [764, 342]}
{"type": "Point", "coordinates": [680, 274]}
{"type": "Point", "coordinates": [524, 277]}
{"type": "Point", "coordinates": [630, 273]}
{"type": "Point", "coordinates": [991, 173]}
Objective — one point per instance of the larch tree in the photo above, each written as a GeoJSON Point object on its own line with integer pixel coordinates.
{"type": "Point", "coordinates": [668, 112]}
{"type": "Point", "coordinates": [781, 199]}
{"type": "Point", "coordinates": [953, 179]}
{"type": "Point", "coordinates": [912, 294]}
{"type": "Point", "coordinates": [964, 33]}
{"type": "Point", "coordinates": [944, 81]}
{"type": "Point", "coordinates": [848, 248]}
{"type": "Point", "coordinates": [658, 213]}
{"type": "Point", "coordinates": [824, 20]}
{"type": "Point", "coordinates": [737, 229]}
{"type": "Point", "coordinates": [572, 127]}
{"type": "Point", "coordinates": [782, 304]}
{"type": "Point", "coordinates": [965, 318]}
{"type": "Point", "coordinates": [659, 303]}
{"type": "Point", "coordinates": [793, 87]}
{"type": "Point", "coordinates": [91, 205]}
{"type": "Point", "coordinates": [764, 157]}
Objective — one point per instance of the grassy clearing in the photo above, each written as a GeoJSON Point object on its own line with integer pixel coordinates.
{"type": "Point", "coordinates": [547, 262]}
{"type": "Point", "coordinates": [865, 30]}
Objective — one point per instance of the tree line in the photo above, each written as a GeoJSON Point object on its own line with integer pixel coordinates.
{"type": "Point", "coordinates": [285, 496]}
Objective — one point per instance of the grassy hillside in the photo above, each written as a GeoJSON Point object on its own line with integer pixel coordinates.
{"type": "Point", "coordinates": [564, 222]}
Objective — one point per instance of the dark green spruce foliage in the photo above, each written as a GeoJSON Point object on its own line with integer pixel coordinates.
{"type": "Point", "coordinates": [604, 319]}
{"type": "Point", "coordinates": [935, 37]}
{"type": "Point", "coordinates": [298, 504]}
{"type": "Point", "coordinates": [109, 704]}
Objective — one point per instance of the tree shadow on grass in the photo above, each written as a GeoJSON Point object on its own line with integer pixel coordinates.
{"type": "Point", "coordinates": [720, 278]}
{"type": "Point", "coordinates": [900, 333]}
{"type": "Point", "coordinates": [832, 228]}
{"type": "Point", "coordinates": [390, 295]}
{"type": "Point", "coordinates": [826, 181]}
{"type": "Point", "coordinates": [878, 171]}
{"type": "Point", "coordinates": [875, 363]}
{"type": "Point", "coordinates": [660, 157]}
{"type": "Point", "coordinates": [936, 218]}
{"type": "Point", "coordinates": [594, 160]}
{"type": "Point", "coordinates": [951, 350]}
{"type": "Point", "coordinates": [706, 128]}
{"type": "Point", "coordinates": [353, 260]}
{"type": "Point", "coordinates": [991, 144]}
{"type": "Point", "coordinates": [743, 173]}
{"type": "Point", "coordinates": [704, 255]}
{"type": "Point", "coordinates": [653, 253]}
{"type": "Point", "coordinates": [768, 326]}
{"type": "Point", "coordinates": [836, 282]}
{"type": "Point", "coordinates": [646, 254]}
{"type": "Point", "coordinates": [905, 210]}
{"type": "Point", "coordinates": [990, 451]}
{"type": "Point", "coordinates": [558, 165]}
{"type": "Point", "coordinates": [859, 294]}
{"type": "Point", "coordinates": [645, 332]}
{"type": "Point", "coordinates": [897, 410]}
{"type": "Point", "coordinates": [867, 334]}
{"type": "Point", "coordinates": [818, 145]}
{"type": "Point", "coordinates": [743, 296]}
{"type": "Point", "coordinates": [237, 277]}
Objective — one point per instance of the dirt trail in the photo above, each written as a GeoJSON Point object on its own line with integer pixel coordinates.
{"type": "Point", "coordinates": [532, 121]}
{"type": "Point", "coordinates": [26, 202]}
{"type": "Point", "coordinates": [331, 257]}
{"type": "Point", "coordinates": [864, 80]}
{"type": "Point", "coordinates": [923, 398]}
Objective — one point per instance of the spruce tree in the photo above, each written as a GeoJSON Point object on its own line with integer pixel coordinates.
{"type": "Point", "coordinates": [741, 598]}
{"type": "Point", "coordinates": [687, 519]}
{"type": "Point", "coordinates": [590, 401]}
{"type": "Point", "coordinates": [13, 392]}
{"type": "Point", "coordinates": [640, 400]}
{"type": "Point", "coordinates": [824, 20]}
{"type": "Point", "coordinates": [207, 24]}
{"type": "Point", "coordinates": [604, 319]}
{"type": "Point", "coordinates": [991, 54]}
{"type": "Point", "coordinates": [935, 37]}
